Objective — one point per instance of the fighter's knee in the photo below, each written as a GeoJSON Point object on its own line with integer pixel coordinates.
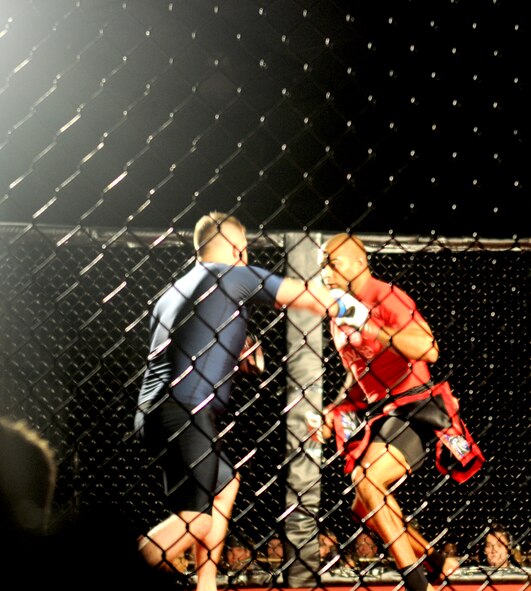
{"type": "Point", "coordinates": [200, 525]}
{"type": "Point", "coordinates": [360, 479]}
{"type": "Point", "coordinates": [357, 475]}
{"type": "Point", "coordinates": [370, 491]}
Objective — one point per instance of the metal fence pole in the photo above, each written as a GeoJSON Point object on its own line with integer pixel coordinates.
{"type": "Point", "coordinates": [304, 393]}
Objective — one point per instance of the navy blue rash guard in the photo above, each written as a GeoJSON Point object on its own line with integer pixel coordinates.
{"type": "Point", "coordinates": [197, 331]}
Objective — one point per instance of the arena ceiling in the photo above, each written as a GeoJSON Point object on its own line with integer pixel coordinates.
{"type": "Point", "coordinates": [402, 117]}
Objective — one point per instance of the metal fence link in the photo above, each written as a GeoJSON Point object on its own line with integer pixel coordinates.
{"type": "Point", "coordinates": [122, 122]}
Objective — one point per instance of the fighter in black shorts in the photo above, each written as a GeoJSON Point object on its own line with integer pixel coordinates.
{"type": "Point", "coordinates": [389, 410]}
{"type": "Point", "coordinates": [411, 442]}
{"type": "Point", "coordinates": [197, 331]}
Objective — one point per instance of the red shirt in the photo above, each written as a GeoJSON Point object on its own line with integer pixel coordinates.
{"type": "Point", "coordinates": [380, 371]}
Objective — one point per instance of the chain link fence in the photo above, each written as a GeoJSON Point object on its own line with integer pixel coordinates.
{"type": "Point", "coordinates": [75, 315]}
{"type": "Point", "coordinates": [123, 122]}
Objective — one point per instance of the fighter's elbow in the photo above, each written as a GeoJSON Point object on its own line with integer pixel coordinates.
{"type": "Point", "coordinates": [432, 353]}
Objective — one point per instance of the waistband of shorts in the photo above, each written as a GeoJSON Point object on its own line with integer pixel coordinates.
{"type": "Point", "coordinates": [416, 389]}
{"type": "Point", "coordinates": [151, 405]}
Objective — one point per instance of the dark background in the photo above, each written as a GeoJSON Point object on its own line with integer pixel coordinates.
{"type": "Point", "coordinates": [401, 116]}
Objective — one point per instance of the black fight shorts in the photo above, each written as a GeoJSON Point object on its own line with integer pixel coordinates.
{"type": "Point", "coordinates": [413, 442]}
{"type": "Point", "coordinates": [186, 447]}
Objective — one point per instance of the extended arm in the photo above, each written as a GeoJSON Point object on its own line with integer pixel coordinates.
{"type": "Point", "coordinates": [312, 296]}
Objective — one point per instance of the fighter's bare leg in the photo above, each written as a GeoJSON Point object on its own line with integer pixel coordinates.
{"type": "Point", "coordinates": [172, 537]}
{"type": "Point", "coordinates": [376, 471]}
{"type": "Point", "coordinates": [208, 549]}
{"type": "Point", "coordinates": [440, 565]}
{"type": "Point", "coordinates": [420, 545]}
{"type": "Point", "coordinates": [381, 466]}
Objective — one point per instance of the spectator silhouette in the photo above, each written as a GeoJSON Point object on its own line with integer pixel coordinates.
{"type": "Point", "coordinates": [27, 480]}
{"type": "Point", "coordinates": [84, 548]}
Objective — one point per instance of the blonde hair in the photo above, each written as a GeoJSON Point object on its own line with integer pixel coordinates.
{"type": "Point", "coordinates": [209, 227]}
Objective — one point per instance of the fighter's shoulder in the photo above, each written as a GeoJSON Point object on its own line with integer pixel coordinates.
{"type": "Point", "coordinates": [252, 271]}
{"type": "Point", "coordinates": [376, 290]}
{"type": "Point", "coordinates": [388, 291]}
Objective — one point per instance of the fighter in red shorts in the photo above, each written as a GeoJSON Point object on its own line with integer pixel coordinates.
{"type": "Point", "coordinates": [389, 410]}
